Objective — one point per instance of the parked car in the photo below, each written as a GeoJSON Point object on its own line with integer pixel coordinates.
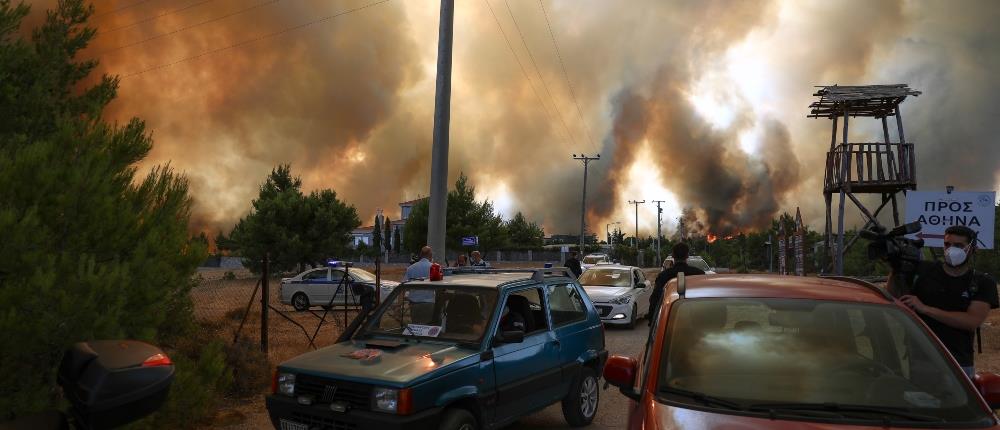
{"type": "Point", "coordinates": [315, 287]}
{"type": "Point", "coordinates": [443, 354]}
{"type": "Point", "coordinates": [699, 262]}
{"type": "Point", "coordinates": [760, 351]}
{"type": "Point", "coordinates": [620, 293]}
{"type": "Point", "coordinates": [591, 260]}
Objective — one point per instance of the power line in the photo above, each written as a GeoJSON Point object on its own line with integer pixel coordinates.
{"type": "Point", "coordinates": [521, 65]}
{"type": "Point", "coordinates": [566, 75]}
{"type": "Point", "coordinates": [257, 39]}
{"type": "Point", "coordinates": [539, 71]}
{"type": "Point", "coordinates": [114, 11]}
{"type": "Point", "coordinates": [170, 33]}
{"type": "Point", "coordinates": [152, 18]}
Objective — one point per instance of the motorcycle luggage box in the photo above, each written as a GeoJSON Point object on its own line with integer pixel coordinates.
{"type": "Point", "coordinates": [110, 383]}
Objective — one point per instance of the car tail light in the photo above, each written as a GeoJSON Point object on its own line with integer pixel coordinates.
{"type": "Point", "coordinates": [274, 382]}
{"type": "Point", "coordinates": [160, 359]}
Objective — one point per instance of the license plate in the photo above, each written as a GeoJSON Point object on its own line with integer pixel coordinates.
{"type": "Point", "coordinates": [292, 425]}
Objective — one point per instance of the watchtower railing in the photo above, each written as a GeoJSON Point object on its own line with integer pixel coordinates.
{"type": "Point", "coordinates": [871, 167]}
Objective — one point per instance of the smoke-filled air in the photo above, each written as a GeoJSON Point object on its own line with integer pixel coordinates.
{"type": "Point", "coordinates": [701, 104]}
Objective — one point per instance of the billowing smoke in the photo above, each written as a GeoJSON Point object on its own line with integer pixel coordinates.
{"type": "Point", "coordinates": [711, 94]}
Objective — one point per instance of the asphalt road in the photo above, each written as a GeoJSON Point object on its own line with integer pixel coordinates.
{"type": "Point", "coordinates": [612, 412]}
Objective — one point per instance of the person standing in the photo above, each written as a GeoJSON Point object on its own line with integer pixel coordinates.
{"type": "Point", "coordinates": [680, 253]}
{"type": "Point", "coordinates": [422, 268]}
{"type": "Point", "coordinates": [574, 265]}
{"type": "Point", "coordinates": [951, 297]}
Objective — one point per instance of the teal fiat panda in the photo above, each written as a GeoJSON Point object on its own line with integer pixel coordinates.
{"type": "Point", "coordinates": [477, 349]}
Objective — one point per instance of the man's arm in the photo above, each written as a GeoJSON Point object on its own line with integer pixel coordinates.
{"type": "Point", "coordinates": [969, 320]}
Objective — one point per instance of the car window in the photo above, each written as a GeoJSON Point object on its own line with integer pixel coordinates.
{"type": "Point", "coordinates": [760, 351]}
{"type": "Point", "coordinates": [336, 275]}
{"type": "Point", "coordinates": [362, 275]}
{"type": "Point", "coordinates": [459, 314]}
{"type": "Point", "coordinates": [315, 275]}
{"type": "Point", "coordinates": [699, 263]}
{"type": "Point", "coordinates": [605, 277]}
{"type": "Point", "coordinates": [565, 304]}
{"type": "Point", "coordinates": [535, 321]}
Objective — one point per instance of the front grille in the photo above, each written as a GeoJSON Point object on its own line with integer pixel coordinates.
{"type": "Point", "coordinates": [603, 310]}
{"type": "Point", "coordinates": [326, 391]}
{"type": "Point", "coordinates": [319, 422]}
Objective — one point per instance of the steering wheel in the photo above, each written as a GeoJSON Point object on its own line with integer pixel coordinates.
{"type": "Point", "coordinates": [865, 366]}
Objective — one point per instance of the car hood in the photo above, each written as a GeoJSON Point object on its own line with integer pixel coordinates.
{"type": "Point", "coordinates": [399, 366]}
{"type": "Point", "coordinates": [605, 293]}
{"type": "Point", "coordinates": [666, 417]}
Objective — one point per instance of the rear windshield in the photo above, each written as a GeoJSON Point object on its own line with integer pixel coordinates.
{"type": "Point", "coordinates": [767, 354]}
{"type": "Point", "coordinates": [594, 259]}
{"type": "Point", "coordinates": [598, 277]}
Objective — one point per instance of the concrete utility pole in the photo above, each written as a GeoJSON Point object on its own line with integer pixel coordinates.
{"type": "Point", "coordinates": [436, 219]}
{"type": "Point", "coordinates": [611, 239]}
{"type": "Point", "coordinates": [583, 210]}
{"type": "Point", "coordinates": [659, 212]}
{"type": "Point", "coordinates": [635, 240]}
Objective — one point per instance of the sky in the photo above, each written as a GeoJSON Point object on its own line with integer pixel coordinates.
{"type": "Point", "coordinates": [700, 104]}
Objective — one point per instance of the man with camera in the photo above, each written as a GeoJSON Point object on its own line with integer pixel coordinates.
{"type": "Point", "coordinates": [951, 298]}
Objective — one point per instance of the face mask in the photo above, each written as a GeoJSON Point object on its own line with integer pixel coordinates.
{"type": "Point", "coordinates": [955, 256]}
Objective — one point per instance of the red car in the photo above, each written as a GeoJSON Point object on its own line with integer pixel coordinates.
{"type": "Point", "coordinates": [752, 352]}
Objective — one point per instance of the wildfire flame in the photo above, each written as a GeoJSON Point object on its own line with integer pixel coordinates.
{"type": "Point", "coordinates": [712, 238]}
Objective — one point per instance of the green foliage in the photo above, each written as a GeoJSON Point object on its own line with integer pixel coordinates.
{"type": "Point", "coordinates": [397, 240]}
{"type": "Point", "coordinates": [90, 250]}
{"type": "Point", "coordinates": [523, 234]}
{"type": "Point", "coordinates": [202, 374]}
{"type": "Point", "coordinates": [296, 229]}
{"type": "Point", "coordinates": [377, 235]}
{"type": "Point", "coordinates": [387, 235]}
{"type": "Point", "coordinates": [465, 217]}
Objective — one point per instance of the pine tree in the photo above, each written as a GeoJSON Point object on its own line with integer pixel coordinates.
{"type": "Point", "coordinates": [397, 241]}
{"type": "Point", "coordinates": [377, 236]}
{"type": "Point", "coordinates": [90, 249]}
{"type": "Point", "coordinates": [387, 234]}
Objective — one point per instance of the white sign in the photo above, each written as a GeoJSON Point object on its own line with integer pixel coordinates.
{"type": "Point", "coordinates": [564, 249]}
{"type": "Point", "coordinates": [938, 210]}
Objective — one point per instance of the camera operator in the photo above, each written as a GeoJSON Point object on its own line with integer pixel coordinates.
{"type": "Point", "coordinates": [951, 298]}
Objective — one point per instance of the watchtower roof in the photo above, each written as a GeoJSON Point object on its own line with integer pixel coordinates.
{"type": "Point", "coordinates": [859, 100]}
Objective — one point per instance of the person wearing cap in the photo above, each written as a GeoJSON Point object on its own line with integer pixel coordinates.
{"type": "Point", "coordinates": [951, 297]}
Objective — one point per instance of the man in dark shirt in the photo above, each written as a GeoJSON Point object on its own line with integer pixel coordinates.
{"type": "Point", "coordinates": [680, 253]}
{"type": "Point", "coordinates": [573, 264]}
{"type": "Point", "coordinates": [951, 298]}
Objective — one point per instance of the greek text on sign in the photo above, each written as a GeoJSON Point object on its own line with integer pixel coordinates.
{"type": "Point", "coordinates": [938, 210]}
{"type": "Point", "coordinates": [470, 241]}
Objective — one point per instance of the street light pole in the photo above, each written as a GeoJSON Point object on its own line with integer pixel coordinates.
{"type": "Point", "coordinates": [635, 240]}
{"type": "Point", "coordinates": [438, 204]}
{"type": "Point", "coordinates": [583, 205]}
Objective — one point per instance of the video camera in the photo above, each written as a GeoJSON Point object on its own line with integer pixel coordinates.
{"type": "Point", "coordinates": [902, 253]}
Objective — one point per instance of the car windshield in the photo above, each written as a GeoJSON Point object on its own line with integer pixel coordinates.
{"type": "Point", "coordinates": [594, 259]}
{"type": "Point", "coordinates": [457, 314]}
{"type": "Point", "coordinates": [362, 275]}
{"type": "Point", "coordinates": [595, 277]}
{"type": "Point", "coordinates": [770, 354]}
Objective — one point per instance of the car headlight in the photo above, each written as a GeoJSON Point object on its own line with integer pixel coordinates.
{"type": "Point", "coordinates": [286, 384]}
{"type": "Point", "coordinates": [621, 300]}
{"type": "Point", "coordinates": [386, 400]}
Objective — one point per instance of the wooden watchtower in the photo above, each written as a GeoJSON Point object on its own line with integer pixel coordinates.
{"type": "Point", "coordinates": [885, 168]}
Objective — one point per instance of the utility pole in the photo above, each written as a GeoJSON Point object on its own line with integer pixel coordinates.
{"type": "Point", "coordinates": [635, 240]}
{"type": "Point", "coordinates": [659, 212]}
{"type": "Point", "coordinates": [583, 209]}
{"type": "Point", "coordinates": [438, 205]}
{"type": "Point", "coordinates": [611, 240]}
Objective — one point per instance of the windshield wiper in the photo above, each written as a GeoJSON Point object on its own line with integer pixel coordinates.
{"type": "Point", "coordinates": [701, 397]}
{"type": "Point", "coordinates": [885, 412]}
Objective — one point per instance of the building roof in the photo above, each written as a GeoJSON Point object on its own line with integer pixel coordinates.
{"type": "Point", "coordinates": [360, 230]}
{"type": "Point", "coordinates": [859, 100]}
{"type": "Point", "coordinates": [775, 286]}
{"type": "Point", "coordinates": [412, 202]}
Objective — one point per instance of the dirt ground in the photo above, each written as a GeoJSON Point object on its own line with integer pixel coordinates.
{"type": "Point", "coordinates": [218, 300]}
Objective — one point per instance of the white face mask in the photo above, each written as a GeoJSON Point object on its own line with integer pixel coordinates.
{"type": "Point", "coordinates": [955, 256]}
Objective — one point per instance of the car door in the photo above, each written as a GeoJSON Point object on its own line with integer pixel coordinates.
{"type": "Point", "coordinates": [335, 287]}
{"type": "Point", "coordinates": [568, 314]}
{"type": "Point", "coordinates": [528, 374]}
{"type": "Point", "coordinates": [314, 284]}
{"type": "Point", "coordinates": [642, 291]}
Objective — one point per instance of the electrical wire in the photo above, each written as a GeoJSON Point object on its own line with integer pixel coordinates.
{"type": "Point", "coordinates": [256, 39]}
{"type": "Point", "coordinates": [539, 71]}
{"type": "Point", "coordinates": [520, 64]}
{"type": "Point", "coordinates": [171, 33]}
{"type": "Point", "coordinates": [114, 11]}
{"type": "Point", "coordinates": [152, 18]}
{"type": "Point", "coordinates": [572, 93]}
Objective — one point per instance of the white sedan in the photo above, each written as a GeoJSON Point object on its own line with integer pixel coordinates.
{"type": "Point", "coordinates": [620, 293]}
{"type": "Point", "coordinates": [316, 287]}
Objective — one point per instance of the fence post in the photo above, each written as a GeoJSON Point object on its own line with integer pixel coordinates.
{"type": "Point", "coordinates": [265, 298]}
{"type": "Point", "coordinates": [529, 256]}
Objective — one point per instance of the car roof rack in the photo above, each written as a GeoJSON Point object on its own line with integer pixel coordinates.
{"type": "Point", "coordinates": [538, 274]}
{"type": "Point", "coordinates": [862, 283]}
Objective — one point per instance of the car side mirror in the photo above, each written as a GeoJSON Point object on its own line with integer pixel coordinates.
{"type": "Point", "coordinates": [513, 336]}
{"type": "Point", "coordinates": [988, 385]}
{"type": "Point", "coordinates": [620, 371]}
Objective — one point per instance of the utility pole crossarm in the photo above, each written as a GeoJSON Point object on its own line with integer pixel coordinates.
{"type": "Point", "coordinates": [635, 241]}
{"type": "Point", "coordinates": [583, 209]}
